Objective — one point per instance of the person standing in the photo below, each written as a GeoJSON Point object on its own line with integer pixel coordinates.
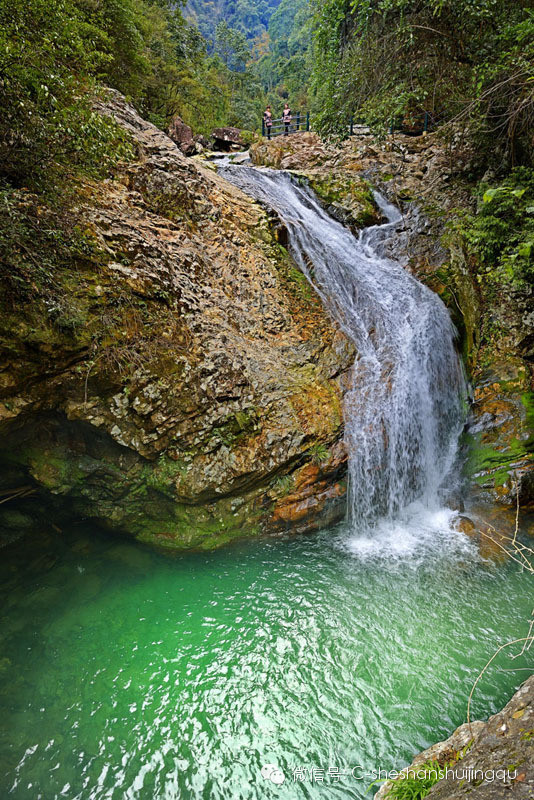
{"type": "Point", "coordinates": [268, 120]}
{"type": "Point", "coordinates": [286, 118]}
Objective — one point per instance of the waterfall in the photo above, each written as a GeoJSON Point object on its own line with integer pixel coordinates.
{"type": "Point", "coordinates": [404, 411]}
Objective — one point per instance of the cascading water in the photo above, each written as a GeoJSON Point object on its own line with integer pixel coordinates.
{"type": "Point", "coordinates": [404, 412]}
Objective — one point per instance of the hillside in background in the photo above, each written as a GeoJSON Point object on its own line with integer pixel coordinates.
{"type": "Point", "coordinates": [284, 68]}
{"type": "Point", "coordinates": [268, 39]}
{"type": "Point", "coordinates": [250, 17]}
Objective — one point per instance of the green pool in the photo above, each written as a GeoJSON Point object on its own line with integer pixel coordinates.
{"type": "Point", "coordinates": [130, 674]}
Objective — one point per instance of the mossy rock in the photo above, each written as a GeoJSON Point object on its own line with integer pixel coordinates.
{"type": "Point", "coordinates": [349, 199]}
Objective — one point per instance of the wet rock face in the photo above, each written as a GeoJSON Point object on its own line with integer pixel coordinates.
{"type": "Point", "coordinates": [345, 194]}
{"type": "Point", "coordinates": [501, 459]}
{"type": "Point", "coordinates": [202, 375]}
{"type": "Point", "coordinates": [428, 182]}
{"type": "Point", "coordinates": [315, 493]}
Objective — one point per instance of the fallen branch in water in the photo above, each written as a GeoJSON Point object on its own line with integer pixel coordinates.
{"type": "Point", "coordinates": [13, 494]}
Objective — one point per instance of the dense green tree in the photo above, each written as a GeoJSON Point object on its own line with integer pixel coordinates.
{"type": "Point", "coordinates": [251, 17]}
{"type": "Point", "coordinates": [55, 54]}
{"type": "Point", "coordinates": [232, 47]}
{"type": "Point", "coordinates": [49, 52]}
{"type": "Point", "coordinates": [285, 69]}
{"type": "Point", "coordinates": [395, 59]}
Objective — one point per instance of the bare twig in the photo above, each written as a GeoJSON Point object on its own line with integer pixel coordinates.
{"type": "Point", "coordinates": [494, 656]}
{"type": "Point", "coordinates": [524, 556]}
{"type": "Point", "coordinates": [528, 645]}
{"type": "Point", "coordinates": [517, 509]}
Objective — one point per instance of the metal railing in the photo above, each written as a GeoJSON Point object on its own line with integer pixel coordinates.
{"type": "Point", "coordinates": [299, 122]}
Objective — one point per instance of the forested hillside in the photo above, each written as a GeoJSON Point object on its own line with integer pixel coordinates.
{"type": "Point", "coordinates": [284, 66]}
{"type": "Point", "coordinates": [390, 62]}
{"type": "Point", "coordinates": [250, 17]}
{"type": "Point", "coordinates": [269, 40]}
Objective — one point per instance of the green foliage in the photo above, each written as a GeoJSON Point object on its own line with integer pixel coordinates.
{"type": "Point", "coordinates": [163, 475]}
{"type": "Point", "coordinates": [55, 54]}
{"type": "Point", "coordinates": [393, 60]}
{"type": "Point", "coordinates": [283, 485]}
{"type": "Point", "coordinates": [417, 783]}
{"type": "Point", "coordinates": [269, 41]}
{"type": "Point", "coordinates": [329, 83]}
{"type": "Point", "coordinates": [284, 69]}
{"type": "Point", "coordinates": [48, 53]}
{"type": "Point", "coordinates": [501, 233]}
{"type": "Point", "coordinates": [250, 17]}
{"type": "Point", "coordinates": [319, 453]}
{"type": "Point", "coordinates": [232, 46]}
{"type": "Point", "coordinates": [36, 243]}
{"type": "Point", "coordinates": [298, 282]}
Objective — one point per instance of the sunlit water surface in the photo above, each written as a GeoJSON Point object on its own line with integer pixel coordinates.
{"type": "Point", "coordinates": [129, 674]}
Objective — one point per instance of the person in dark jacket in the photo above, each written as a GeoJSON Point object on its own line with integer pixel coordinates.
{"type": "Point", "coordinates": [268, 120]}
{"type": "Point", "coordinates": [286, 117]}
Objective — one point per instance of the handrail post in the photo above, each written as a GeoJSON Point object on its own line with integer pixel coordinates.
{"type": "Point", "coordinates": [307, 120]}
{"type": "Point", "coordinates": [425, 126]}
{"type": "Point", "coordinates": [298, 120]}
{"type": "Point", "coordinates": [391, 127]}
{"type": "Point", "coordinates": [351, 125]}
{"type": "Point", "coordinates": [262, 126]}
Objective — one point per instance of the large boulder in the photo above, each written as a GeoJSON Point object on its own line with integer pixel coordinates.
{"type": "Point", "coordinates": [228, 139]}
{"type": "Point", "coordinates": [298, 151]}
{"type": "Point", "coordinates": [180, 381]}
{"type": "Point", "coordinates": [202, 142]}
{"type": "Point", "coordinates": [182, 134]}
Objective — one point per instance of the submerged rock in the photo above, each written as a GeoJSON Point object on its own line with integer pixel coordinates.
{"type": "Point", "coordinates": [197, 372]}
{"type": "Point", "coordinates": [493, 533]}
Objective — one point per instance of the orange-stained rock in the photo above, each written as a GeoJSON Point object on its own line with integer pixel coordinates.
{"type": "Point", "coordinates": [296, 508]}
{"type": "Point", "coordinates": [306, 477]}
{"type": "Point", "coordinates": [466, 525]}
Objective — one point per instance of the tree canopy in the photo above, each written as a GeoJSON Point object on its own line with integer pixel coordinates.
{"type": "Point", "coordinates": [470, 60]}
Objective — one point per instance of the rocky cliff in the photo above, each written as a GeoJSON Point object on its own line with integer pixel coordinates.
{"type": "Point", "coordinates": [430, 183]}
{"type": "Point", "coordinates": [178, 380]}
